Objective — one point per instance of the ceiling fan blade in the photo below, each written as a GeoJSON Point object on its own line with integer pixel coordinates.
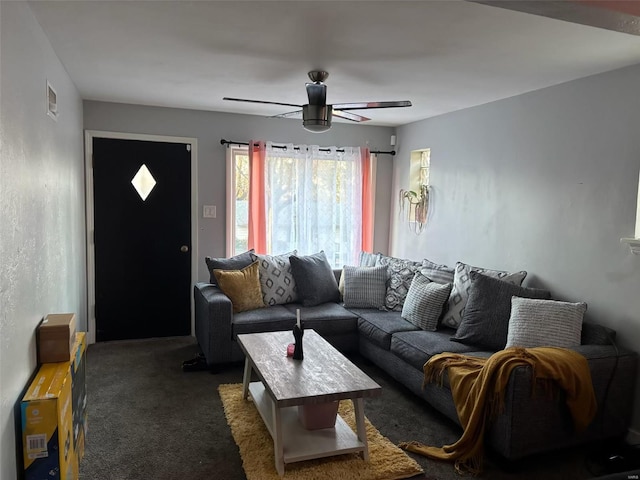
{"type": "Point", "coordinates": [363, 105]}
{"type": "Point", "coordinates": [288, 114]}
{"type": "Point", "coordinates": [317, 93]}
{"type": "Point", "coordinates": [261, 101]}
{"type": "Point", "coordinates": [350, 116]}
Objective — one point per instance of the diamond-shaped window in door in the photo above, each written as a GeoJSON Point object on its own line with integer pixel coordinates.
{"type": "Point", "coordinates": [143, 182]}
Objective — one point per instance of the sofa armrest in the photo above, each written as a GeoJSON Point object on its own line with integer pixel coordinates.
{"type": "Point", "coordinates": [213, 316]}
{"type": "Point", "coordinates": [543, 416]}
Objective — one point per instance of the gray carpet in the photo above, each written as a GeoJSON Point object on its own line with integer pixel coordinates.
{"type": "Point", "coordinates": [150, 420]}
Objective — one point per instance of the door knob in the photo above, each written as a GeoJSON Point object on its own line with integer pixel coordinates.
{"type": "Point", "coordinates": [184, 248]}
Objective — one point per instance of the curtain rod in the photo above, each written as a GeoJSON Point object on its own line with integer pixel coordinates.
{"type": "Point", "coordinates": [231, 142]}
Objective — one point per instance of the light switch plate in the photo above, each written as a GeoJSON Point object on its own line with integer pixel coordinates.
{"type": "Point", "coordinates": [208, 211]}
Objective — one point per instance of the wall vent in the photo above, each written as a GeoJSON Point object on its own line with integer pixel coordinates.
{"type": "Point", "coordinates": [52, 102]}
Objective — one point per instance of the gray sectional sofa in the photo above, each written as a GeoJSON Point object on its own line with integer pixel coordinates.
{"type": "Point", "coordinates": [531, 421]}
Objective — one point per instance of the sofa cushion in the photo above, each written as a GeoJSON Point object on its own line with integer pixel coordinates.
{"type": "Point", "coordinates": [378, 326]}
{"type": "Point", "coordinates": [241, 286]}
{"type": "Point", "coordinates": [437, 273]}
{"type": "Point", "coordinates": [327, 319]}
{"type": "Point", "coordinates": [314, 279]}
{"type": "Point", "coordinates": [276, 280]}
{"type": "Point", "coordinates": [545, 323]}
{"type": "Point", "coordinates": [461, 286]}
{"type": "Point", "coordinates": [234, 263]}
{"type": "Point", "coordinates": [269, 319]}
{"type": "Point", "coordinates": [364, 287]}
{"type": "Point", "coordinates": [400, 274]}
{"type": "Point", "coordinates": [416, 347]}
{"type": "Point", "coordinates": [485, 322]}
{"type": "Point", "coordinates": [424, 302]}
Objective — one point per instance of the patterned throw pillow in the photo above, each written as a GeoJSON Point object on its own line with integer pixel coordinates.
{"type": "Point", "coordinates": [545, 323]}
{"type": "Point", "coordinates": [424, 302]}
{"type": "Point", "coordinates": [276, 280]}
{"type": "Point", "coordinates": [242, 287]}
{"type": "Point", "coordinates": [437, 273]}
{"type": "Point", "coordinates": [462, 285]}
{"type": "Point", "coordinates": [400, 273]}
{"type": "Point", "coordinates": [364, 287]}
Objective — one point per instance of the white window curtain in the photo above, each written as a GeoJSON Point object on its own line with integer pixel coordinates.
{"type": "Point", "coordinates": [314, 201]}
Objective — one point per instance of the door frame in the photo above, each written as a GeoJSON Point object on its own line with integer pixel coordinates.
{"type": "Point", "coordinates": [89, 135]}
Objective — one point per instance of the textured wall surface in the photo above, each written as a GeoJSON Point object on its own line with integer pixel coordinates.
{"type": "Point", "coordinates": [210, 127]}
{"type": "Point", "coordinates": [545, 182]}
{"type": "Point", "coordinates": [42, 235]}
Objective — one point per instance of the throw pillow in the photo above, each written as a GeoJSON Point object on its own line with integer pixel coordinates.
{"type": "Point", "coordinates": [233, 263]}
{"type": "Point", "coordinates": [461, 285]}
{"type": "Point", "coordinates": [368, 259]}
{"type": "Point", "coordinates": [242, 287]}
{"type": "Point", "coordinates": [364, 287]}
{"type": "Point", "coordinates": [400, 273]}
{"type": "Point", "coordinates": [314, 279]}
{"type": "Point", "coordinates": [437, 273]}
{"type": "Point", "coordinates": [545, 323]}
{"type": "Point", "coordinates": [276, 280]}
{"type": "Point", "coordinates": [485, 321]}
{"type": "Point", "coordinates": [424, 302]}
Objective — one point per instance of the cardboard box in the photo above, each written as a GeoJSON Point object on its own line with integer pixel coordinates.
{"type": "Point", "coordinates": [47, 425]}
{"type": "Point", "coordinates": [54, 417]}
{"type": "Point", "coordinates": [79, 393]}
{"type": "Point", "coordinates": [55, 337]}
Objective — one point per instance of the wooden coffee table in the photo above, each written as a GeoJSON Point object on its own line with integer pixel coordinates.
{"type": "Point", "coordinates": [325, 375]}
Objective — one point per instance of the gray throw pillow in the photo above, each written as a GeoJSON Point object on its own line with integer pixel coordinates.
{"type": "Point", "coordinates": [400, 273]}
{"type": "Point", "coordinates": [234, 263]}
{"type": "Point", "coordinates": [545, 323]}
{"type": "Point", "coordinates": [460, 291]}
{"type": "Point", "coordinates": [364, 287]}
{"type": "Point", "coordinates": [276, 280]}
{"type": "Point", "coordinates": [485, 322]}
{"type": "Point", "coordinates": [314, 279]}
{"type": "Point", "coordinates": [424, 302]}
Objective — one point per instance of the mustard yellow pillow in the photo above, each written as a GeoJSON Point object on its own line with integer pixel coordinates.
{"type": "Point", "coordinates": [242, 287]}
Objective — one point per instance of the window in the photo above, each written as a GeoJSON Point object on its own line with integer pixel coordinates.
{"type": "Point", "coordinates": [311, 199]}
{"type": "Point", "coordinates": [237, 199]}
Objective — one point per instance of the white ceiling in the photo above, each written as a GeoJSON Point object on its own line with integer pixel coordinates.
{"type": "Point", "coordinates": [442, 55]}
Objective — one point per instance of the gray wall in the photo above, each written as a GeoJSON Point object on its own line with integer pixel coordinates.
{"type": "Point", "coordinates": [544, 182]}
{"type": "Point", "coordinates": [42, 234]}
{"type": "Point", "coordinates": [210, 127]}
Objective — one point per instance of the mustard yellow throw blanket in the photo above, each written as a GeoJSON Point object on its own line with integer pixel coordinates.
{"type": "Point", "coordinates": [478, 385]}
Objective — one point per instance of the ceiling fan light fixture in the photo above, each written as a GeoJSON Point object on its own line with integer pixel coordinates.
{"type": "Point", "coordinates": [316, 118]}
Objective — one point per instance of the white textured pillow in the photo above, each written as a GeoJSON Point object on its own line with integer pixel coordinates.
{"type": "Point", "coordinates": [424, 302]}
{"type": "Point", "coordinates": [545, 323]}
{"type": "Point", "coordinates": [462, 284]}
{"type": "Point", "coordinates": [364, 287]}
{"type": "Point", "coordinates": [276, 280]}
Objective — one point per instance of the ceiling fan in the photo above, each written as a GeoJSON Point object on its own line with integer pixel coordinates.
{"type": "Point", "coordinates": [316, 115]}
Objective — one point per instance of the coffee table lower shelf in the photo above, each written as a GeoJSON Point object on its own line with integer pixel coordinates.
{"type": "Point", "coordinates": [300, 444]}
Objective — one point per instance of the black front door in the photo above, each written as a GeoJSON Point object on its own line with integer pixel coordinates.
{"type": "Point", "coordinates": [142, 245]}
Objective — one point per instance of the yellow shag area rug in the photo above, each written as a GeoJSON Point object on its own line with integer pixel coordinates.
{"type": "Point", "coordinates": [387, 461]}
